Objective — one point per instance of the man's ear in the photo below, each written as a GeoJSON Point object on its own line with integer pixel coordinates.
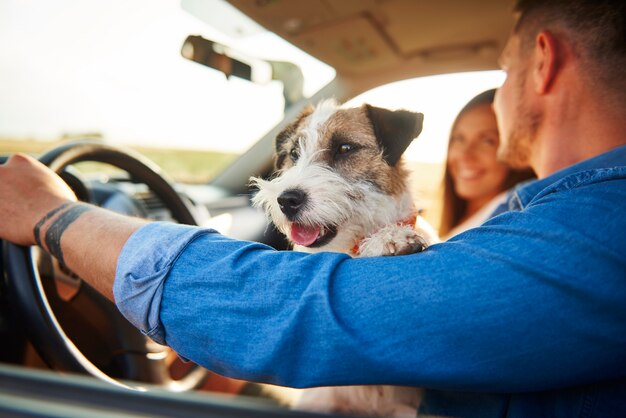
{"type": "Point", "coordinates": [394, 130]}
{"type": "Point", "coordinates": [546, 61]}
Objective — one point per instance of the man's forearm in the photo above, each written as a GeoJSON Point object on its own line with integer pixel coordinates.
{"type": "Point", "coordinates": [87, 239]}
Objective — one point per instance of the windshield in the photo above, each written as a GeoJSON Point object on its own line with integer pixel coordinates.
{"type": "Point", "coordinates": [112, 70]}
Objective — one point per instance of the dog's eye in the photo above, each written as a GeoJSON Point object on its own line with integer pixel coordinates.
{"type": "Point", "coordinates": [294, 154]}
{"type": "Point", "coordinates": [345, 148]}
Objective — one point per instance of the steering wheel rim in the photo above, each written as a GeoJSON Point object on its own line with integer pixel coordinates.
{"type": "Point", "coordinates": [26, 287]}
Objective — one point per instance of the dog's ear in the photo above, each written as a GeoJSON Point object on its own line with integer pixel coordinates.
{"type": "Point", "coordinates": [286, 133]}
{"type": "Point", "coordinates": [394, 130]}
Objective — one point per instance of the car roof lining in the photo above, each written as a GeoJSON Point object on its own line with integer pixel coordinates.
{"type": "Point", "coordinates": [369, 40]}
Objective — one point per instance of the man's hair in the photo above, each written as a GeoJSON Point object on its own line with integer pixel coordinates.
{"type": "Point", "coordinates": [595, 29]}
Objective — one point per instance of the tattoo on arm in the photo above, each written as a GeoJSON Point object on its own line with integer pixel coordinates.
{"type": "Point", "coordinates": [59, 225]}
{"type": "Point", "coordinates": [45, 219]}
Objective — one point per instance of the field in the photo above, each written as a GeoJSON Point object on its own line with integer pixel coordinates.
{"type": "Point", "coordinates": [187, 166]}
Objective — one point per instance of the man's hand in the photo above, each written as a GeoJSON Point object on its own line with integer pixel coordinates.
{"type": "Point", "coordinates": [28, 191]}
{"type": "Point", "coordinates": [87, 239]}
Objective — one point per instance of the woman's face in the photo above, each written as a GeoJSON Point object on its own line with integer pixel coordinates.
{"type": "Point", "coordinates": [476, 174]}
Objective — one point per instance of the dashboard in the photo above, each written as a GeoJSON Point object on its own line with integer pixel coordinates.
{"type": "Point", "coordinates": [214, 208]}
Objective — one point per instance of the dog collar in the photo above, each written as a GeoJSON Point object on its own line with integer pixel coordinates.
{"type": "Point", "coordinates": [410, 221]}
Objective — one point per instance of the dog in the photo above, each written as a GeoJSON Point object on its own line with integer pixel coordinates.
{"type": "Point", "coordinates": [341, 186]}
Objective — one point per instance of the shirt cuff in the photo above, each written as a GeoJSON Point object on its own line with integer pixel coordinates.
{"type": "Point", "coordinates": [142, 267]}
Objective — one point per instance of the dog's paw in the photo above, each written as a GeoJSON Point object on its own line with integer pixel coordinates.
{"type": "Point", "coordinates": [393, 240]}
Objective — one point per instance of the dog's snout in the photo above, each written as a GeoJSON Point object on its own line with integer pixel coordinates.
{"type": "Point", "coordinates": [291, 201]}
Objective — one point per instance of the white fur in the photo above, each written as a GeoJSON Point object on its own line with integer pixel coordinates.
{"type": "Point", "coordinates": [324, 110]}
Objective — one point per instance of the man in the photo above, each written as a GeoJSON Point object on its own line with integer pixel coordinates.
{"type": "Point", "coordinates": [530, 305]}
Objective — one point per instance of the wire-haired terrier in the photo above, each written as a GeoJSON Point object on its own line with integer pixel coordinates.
{"type": "Point", "coordinates": [341, 186]}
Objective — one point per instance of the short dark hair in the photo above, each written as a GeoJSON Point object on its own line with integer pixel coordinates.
{"type": "Point", "coordinates": [596, 30]}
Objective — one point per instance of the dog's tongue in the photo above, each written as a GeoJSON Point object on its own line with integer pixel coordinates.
{"type": "Point", "coordinates": [304, 235]}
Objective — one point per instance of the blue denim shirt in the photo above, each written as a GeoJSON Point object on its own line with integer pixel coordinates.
{"type": "Point", "coordinates": [524, 316]}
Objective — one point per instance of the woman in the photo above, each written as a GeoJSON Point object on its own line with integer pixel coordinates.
{"type": "Point", "coordinates": [475, 182]}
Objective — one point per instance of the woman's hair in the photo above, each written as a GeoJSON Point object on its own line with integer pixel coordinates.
{"type": "Point", "coordinates": [453, 205]}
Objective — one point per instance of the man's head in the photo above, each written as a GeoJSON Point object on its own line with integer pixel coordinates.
{"type": "Point", "coordinates": [586, 38]}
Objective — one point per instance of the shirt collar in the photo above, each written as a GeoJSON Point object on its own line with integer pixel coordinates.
{"type": "Point", "coordinates": [525, 192]}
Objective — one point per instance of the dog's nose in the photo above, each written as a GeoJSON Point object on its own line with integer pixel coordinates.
{"type": "Point", "coordinates": [290, 201]}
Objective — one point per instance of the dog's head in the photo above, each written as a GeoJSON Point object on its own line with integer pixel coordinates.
{"type": "Point", "coordinates": [339, 175]}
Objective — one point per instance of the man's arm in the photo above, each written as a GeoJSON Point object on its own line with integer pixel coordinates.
{"type": "Point", "coordinates": [84, 237]}
{"type": "Point", "coordinates": [533, 300]}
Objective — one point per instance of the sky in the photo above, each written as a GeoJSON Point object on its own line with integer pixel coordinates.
{"type": "Point", "coordinates": [113, 67]}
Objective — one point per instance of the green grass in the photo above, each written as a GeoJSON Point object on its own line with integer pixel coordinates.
{"type": "Point", "coordinates": [187, 166]}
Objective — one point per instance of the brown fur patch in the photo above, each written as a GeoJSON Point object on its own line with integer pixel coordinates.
{"type": "Point", "coordinates": [286, 136]}
{"type": "Point", "coordinates": [365, 163]}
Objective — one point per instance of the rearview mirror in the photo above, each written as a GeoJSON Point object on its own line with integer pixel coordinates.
{"type": "Point", "coordinates": [205, 52]}
{"type": "Point", "coordinates": [234, 64]}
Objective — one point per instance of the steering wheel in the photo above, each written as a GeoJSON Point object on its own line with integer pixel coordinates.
{"type": "Point", "coordinates": [95, 338]}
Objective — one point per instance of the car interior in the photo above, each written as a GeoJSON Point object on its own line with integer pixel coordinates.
{"type": "Point", "coordinates": [66, 350]}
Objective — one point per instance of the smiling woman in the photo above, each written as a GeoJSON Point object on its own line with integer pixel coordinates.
{"type": "Point", "coordinates": [475, 181]}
